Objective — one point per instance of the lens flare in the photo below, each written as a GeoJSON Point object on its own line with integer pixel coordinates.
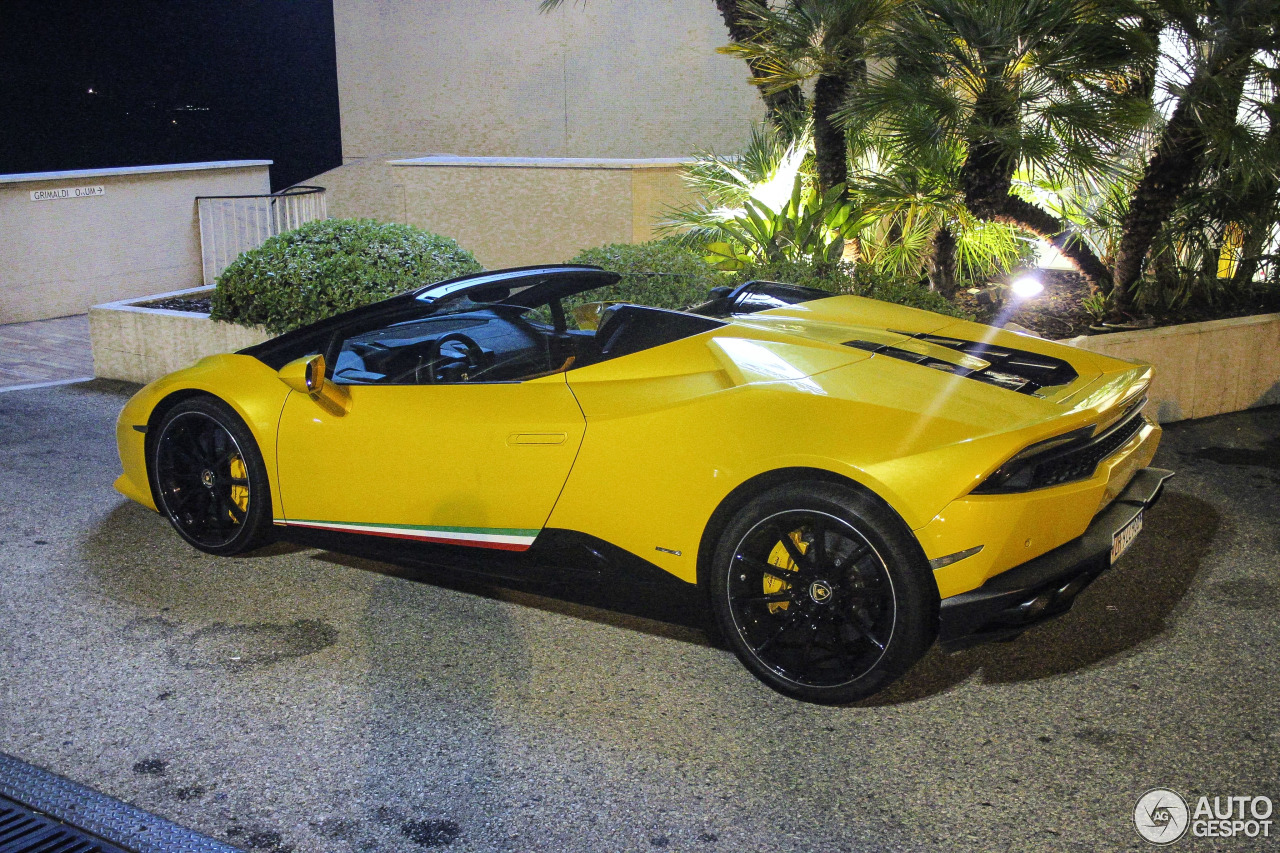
{"type": "Point", "coordinates": [1026, 287]}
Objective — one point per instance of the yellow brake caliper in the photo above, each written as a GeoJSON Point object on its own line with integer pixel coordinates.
{"type": "Point", "coordinates": [780, 558]}
{"type": "Point", "coordinates": [239, 494]}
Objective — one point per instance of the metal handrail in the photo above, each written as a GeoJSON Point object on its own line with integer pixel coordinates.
{"type": "Point", "coordinates": [300, 189]}
{"type": "Point", "coordinates": [233, 224]}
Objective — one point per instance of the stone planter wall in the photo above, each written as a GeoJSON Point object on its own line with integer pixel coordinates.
{"type": "Point", "coordinates": [1202, 369]}
{"type": "Point", "coordinates": [142, 344]}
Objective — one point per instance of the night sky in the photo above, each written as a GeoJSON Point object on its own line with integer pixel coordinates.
{"type": "Point", "coordinates": [88, 85]}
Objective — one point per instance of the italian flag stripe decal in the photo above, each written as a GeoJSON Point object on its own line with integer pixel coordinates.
{"type": "Point", "coordinates": [502, 538]}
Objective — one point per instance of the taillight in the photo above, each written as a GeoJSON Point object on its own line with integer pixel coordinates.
{"type": "Point", "coordinates": [1018, 474]}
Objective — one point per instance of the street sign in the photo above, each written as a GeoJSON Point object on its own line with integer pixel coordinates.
{"type": "Point", "coordinates": [67, 192]}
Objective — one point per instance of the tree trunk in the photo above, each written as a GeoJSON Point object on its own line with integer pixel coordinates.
{"type": "Point", "coordinates": [779, 105]}
{"type": "Point", "coordinates": [830, 144]}
{"type": "Point", "coordinates": [1263, 211]}
{"type": "Point", "coordinates": [1140, 81]}
{"type": "Point", "coordinates": [987, 173]}
{"type": "Point", "coordinates": [1255, 238]}
{"type": "Point", "coordinates": [987, 178]}
{"type": "Point", "coordinates": [942, 263]}
{"type": "Point", "coordinates": [1176, 166]}
{"type": "Point", "coordinates": [1016, 211]}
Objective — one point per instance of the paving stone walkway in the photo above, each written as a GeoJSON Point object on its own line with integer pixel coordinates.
{"type": "Point", "coordinates": [45, 351]}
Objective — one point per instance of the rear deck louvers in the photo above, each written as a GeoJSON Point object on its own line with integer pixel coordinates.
{"type": "Point", "coordinates": [1014, 369]}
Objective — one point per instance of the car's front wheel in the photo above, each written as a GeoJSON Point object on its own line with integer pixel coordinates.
{"type": "Point", "coordinates": [822, 593]}
{"type": "Point", "coordinates": [209, 478]}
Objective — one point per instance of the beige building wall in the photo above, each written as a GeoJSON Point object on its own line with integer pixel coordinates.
{"type": "Point", "coordinates": [496, 77]}
{"type": "Point", "coordinates": [140, 236]}
{"type": "Point", "coordinates": [512, 211]}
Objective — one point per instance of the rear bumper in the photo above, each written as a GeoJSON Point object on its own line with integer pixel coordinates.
{"type": "Point", "coordinates": [1047, 586]}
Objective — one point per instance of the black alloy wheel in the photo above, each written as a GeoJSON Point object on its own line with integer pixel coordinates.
{"type": "Point", "coordinates": [821, 593]}
{"type": "Point", "coordinates": [209, 479]}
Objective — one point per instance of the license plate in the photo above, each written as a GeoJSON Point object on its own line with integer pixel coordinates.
{"type": "Point", "coordinates": [1123, 538]}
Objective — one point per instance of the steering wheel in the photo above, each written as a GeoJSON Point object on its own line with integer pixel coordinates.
{"type": "Point", "coordinates": [436, 359]}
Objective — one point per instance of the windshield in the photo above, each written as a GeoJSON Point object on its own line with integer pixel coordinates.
{"type": "Point", "coordinates": [524, 288]}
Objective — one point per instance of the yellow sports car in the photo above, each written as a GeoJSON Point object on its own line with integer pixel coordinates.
{"type": "Point", "coordinates": [848, 480]}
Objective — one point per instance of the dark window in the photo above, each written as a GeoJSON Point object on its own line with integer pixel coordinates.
{"type": "Point", "coordinates": [488, 345]}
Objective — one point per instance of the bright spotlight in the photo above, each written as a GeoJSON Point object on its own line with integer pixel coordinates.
{"type": "Point", "coordinates": [1026, 287]}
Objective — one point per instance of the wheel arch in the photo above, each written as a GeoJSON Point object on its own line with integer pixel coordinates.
{"type": "Point", "coordinates": [254, 522]}
{"type": "Point", "coordinates": [167, 403]}
{"type": "Point", "coordinates": [162, 407]}
{"type": "Point", "coordinates": [749, 488]}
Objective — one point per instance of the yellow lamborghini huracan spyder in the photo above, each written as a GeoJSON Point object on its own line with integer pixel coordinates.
{"type": "Point", "coordinates": [848, 480]}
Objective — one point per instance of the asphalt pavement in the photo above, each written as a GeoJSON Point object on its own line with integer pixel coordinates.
{"type": "Point", "coordinates": [302, 699]}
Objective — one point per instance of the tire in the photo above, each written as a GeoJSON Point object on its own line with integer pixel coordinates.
{"type": "Point", "coordinates": [208, 477]}
{"type": "Point", "coordinates": [831, 625]}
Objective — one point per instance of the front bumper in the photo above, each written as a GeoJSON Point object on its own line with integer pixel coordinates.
{"type": "Point", "coordinates": [1009, 603]}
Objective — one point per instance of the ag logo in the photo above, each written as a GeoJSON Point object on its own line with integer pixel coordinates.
{"type": "Point", "coordinates": [820, 591]}
{"type": "Point", "coordinates": [1161, 816]}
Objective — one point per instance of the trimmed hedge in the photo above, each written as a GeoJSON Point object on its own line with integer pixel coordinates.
{"type": "Point", "coordinates": [859, 280]}
{"type": "Point", "coordinates": [661, 273]}
{"type": "Point", "coordinates": [331, 266]}
{"type": "Point", "coordinates": [665, 274]}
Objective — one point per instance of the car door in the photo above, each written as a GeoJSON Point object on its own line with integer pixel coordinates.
{"type": "Point", "coordinates": [472, 462]}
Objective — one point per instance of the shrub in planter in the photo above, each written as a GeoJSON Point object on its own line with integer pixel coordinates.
{"type": "Point", "coordinates": [331, 266]}
{"type": "Point", "coordinates": [914, 293]}
{"type": "Point", "coordinates": [859, 280]}
{"type": "Point", "coordinates": [661, 273]}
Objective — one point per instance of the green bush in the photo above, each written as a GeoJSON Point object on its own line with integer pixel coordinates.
{"type": "Point", "coordinates": [837, 278]}
{"type": "Point", "coordinates": [331, 266]}
{"type": "Point", "coordinates": [914, 293]}
{"type": "Point", "coordinates": [858, 280]}
{"type": "Point", "coordinates": [661, 273]}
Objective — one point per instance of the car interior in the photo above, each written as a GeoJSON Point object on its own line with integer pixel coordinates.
{"type": "Point", "coordinates": [505, 343]}
{"type": "Point", "coordinates": [510, 326]}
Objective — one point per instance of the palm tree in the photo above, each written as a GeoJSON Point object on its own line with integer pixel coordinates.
{"type": "Point", "coordinates": [764, 172]}
{"type": "Point", "coordinates": [1213, 240]}
{"type": "Point", "coordinates": [1222, 43]}
{"type": "Point", "coordinates": [1260, 202]}
{"type": "Point", "coordinates": [823, 41]}
{"type": "Point", "coordinates": [783, 105]}
{"type": "Point", "coordinates": [1012, 86]}
{"type": "Point", "coordinates": [920, 223]}
{"type": "Point", "coordinates": [763, 205]}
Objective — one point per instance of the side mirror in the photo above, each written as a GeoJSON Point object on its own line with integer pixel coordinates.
{"type": "Point", "coordinates": [306, 376]}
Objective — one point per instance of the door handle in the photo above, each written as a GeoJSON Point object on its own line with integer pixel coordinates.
{"type": "Point", "coordinates": [536, 438]}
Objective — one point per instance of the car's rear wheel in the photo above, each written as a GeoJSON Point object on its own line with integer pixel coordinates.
{"type": "Point", "coordinates": [822, 592]}
{"type": "Point", "coordinates": [209, 477]}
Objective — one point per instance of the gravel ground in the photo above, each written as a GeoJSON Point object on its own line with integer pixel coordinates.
{"type": "Point", "coordinates": [303, 700]}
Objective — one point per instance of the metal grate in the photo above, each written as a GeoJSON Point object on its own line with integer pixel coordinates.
{"type": "Point", "coordinates": [115, 827]}
{"type": "Point", "coordinates": [233, 224]}
{"type": "Point", "coordinates": [25, 831]}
